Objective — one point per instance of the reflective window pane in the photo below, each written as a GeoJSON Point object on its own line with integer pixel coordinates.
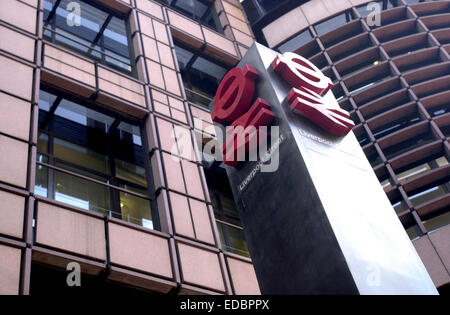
{"type": "Point", "coordinates": [81, 193]}
{"type": "Point", "coordinates": [427, 195]}
{"type": "Point", "coordinates": [365, 9]}
{"type": "Point", "coordinates": [413, 232]}
{"type": "Point", "coordinates": [128, 145]}
{"type": "Point", "coordinates": [130, 172]}
{"type": "Point", "coordinates": [437, 222]}
{"type": "Point", "coordinates": [396, 125]}
{"type": "Point", "coordinates": [41, 183]}
{"type": "Point", "coordinates": [399, 207]}
{"type": "Point", "coordinates": [42, 145]}
{"type": "Point", "coordinates": [83, 115]}
{"type": "Point", "coordinates": [92, 19]}
{"type": "Point", "coordinates": [296, 42]}
{"type": "Point", "coordinates": [201, 76]}
{"type": "Point", "coordinates": [333, 23]}
{"type": "Point", "coordinates": [79, 155]}
{"type": "Point", "coordinates": [233, 239]}
{"type": "Point", "coordinates": [115, 37]}
{"type": "Point", "coordinates": [225, 211]}
{"type": "Point", "coordinates": [92, 158]}
{"type": "Point", "coordinates": [202, 11]}
{"type": "Point", "coordinates": [441, 161]}
{"type": "Point", "coordinates": [414, 172]}
{"type": "Point", "coordinates": [46, 100]}
{"type": "Point", "coordinates": [386, 184]}
{"type": "Point", "coordinates": [439, 109]}
{"type": "Point", "coordinates": [134, 209]}
{"type": "Point", "coordinates": [96, 33]}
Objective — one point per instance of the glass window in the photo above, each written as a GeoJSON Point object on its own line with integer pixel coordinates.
{"type": "Point", "coordinates": [419, 167]}
{"type": "Point", "coordinates": [232, 239]}
{"type": "Point", "coordinates": [130, 172]}
{"type": "Point", "coordinates": [333, 23]}
{"type": "Point", "coordinates": [97, 33]}
{"type": "Point", "coordinates": [92, 160]}
{"type": "Point", "coordinates": [386, 184]}
{"type": "Point", "coordinates": [408, 145]}
{"type": "Point", "coordinates": [413, 232]}
{"type": "Point", "coordinates": [135, 209]}
{"type": "Point", "coordinates": [396, 125]}
{"type": "Point", "coordinates": [201, 76]}
{"type": "Point", "coordinates": [414, 172]}
{"type": "Point", "coordinates": [296, 42]}
{"type": "Point", "coordinates": [372, 155]}
{"type": "Point", "coordinates": [80, 155]}
{"type": "Point", "coordinates": [399, 207]}
{"type": "Point", "coordinates": [439, 110]}
{"type": "Point", "coordinates": [361, 87]}
{"type": "Point", "coordinates": [364, 11]}
{"type": "Point", "coordinates": [437, 222]}
{"type": "Point", "coordinates": [202, 11]}
{"type": "Point", "coordinates": [429, 194]}
{"type": "Point", "coordinates": [227, 217]}
{"type": "Point", "coordinates": [41, 183]}
{"type": "Point", "coordinates": [417, 1]}
{"type": "Point", "coordinates": [81, 193]}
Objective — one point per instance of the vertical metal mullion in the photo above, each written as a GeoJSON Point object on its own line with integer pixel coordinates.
{"type": "Point", "coordinates": [131, 51]}
{"type": "Point", "coordinates": [149, 175]}
{"type": "Point", "coordinates": [114, 194]}
{"type": "Point", "coordinates": [53, 32]}
{"type": "Point", "coordinates": [51, 186]}
{"type": "Point", "coordinates": [102, 48]}
{"type": "Point", "coordinates": [225, 233]}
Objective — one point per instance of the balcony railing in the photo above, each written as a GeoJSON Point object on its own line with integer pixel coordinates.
{"type": "Point", "coordinates": [86, 49]}
{"type": "Point", "coordinates": [232, 238]}
{"type": "Point", "coordinates": [198, 98]}
{"type": "Point", "coordinates": [91, 194]}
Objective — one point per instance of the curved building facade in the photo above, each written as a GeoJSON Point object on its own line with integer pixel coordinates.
{"type": "Point", "coordinates": [391, 71]}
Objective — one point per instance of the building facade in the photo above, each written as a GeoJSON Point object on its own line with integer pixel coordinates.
{"type": "Point", "coordinates": [105, 111]}
{"type": "Point", "coordinates": [391, 72]}
{"type": "Point", "coordinates": [103, 108]}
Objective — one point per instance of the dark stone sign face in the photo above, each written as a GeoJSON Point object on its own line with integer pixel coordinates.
{"type": "Point", "coordinates": [319, 221]}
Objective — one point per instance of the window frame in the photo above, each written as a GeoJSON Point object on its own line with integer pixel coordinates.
{"type": "Point", "coordinates": [292, 39]}
{"type": "Point", "coordinates": [111, 13]}
{"type": "Point", "coordinates": [210, 9]}
{"type": "Point", "coordinates": [196, 54]}
{"type": "Point", "coordinates": [221, 216]}
{"type": "Point", "coordinates": [347, 14]}
{"type": "Point", "coordinates": [112, 182]}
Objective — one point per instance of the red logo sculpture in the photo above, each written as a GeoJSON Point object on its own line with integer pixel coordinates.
{"type": "Point", "coordinates": [310, 105]}
{"type": "Point", "coordinates": [234, 94]}
{"type": "Point", "coordinates": [233, 98]}
{"type": "Point", "coordinates": [259, 115]}
{"type": "Point", "coordinates": [236, 91]}
{"type": "Point", "coordinates": [299, 72]}
{"type": "Point", "coordinates": [309, 83]}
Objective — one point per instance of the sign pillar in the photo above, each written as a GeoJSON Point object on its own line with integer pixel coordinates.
{"type": "Point", "coordinates": [319, 223]}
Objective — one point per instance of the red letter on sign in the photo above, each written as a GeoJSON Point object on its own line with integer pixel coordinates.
{"type": "Point", "coordinates": [309, 83]}
{"type": "Point", "coordinates": [234, 94]}
{"type": "Point", "coordinates": [298, 72]}
{"type": "Point", "coordinates": [244, 130]}
{"type": "Point", "coordinates": [310, 105]}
